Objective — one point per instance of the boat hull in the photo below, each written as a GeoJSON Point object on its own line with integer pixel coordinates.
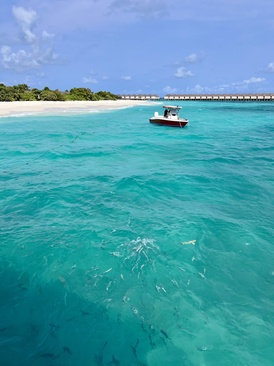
{"type": "Point", "coordinates": [169, 122]}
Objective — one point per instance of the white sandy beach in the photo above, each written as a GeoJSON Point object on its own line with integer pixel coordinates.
{"type": "Point", "coordinates": [56, 108]}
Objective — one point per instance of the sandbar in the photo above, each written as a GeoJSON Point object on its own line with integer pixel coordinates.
{"type": "Point", "coordinates": [67, 107]}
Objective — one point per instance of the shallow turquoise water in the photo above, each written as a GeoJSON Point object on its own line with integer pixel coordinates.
{"type": "Point", "coordinates": [94, 210]}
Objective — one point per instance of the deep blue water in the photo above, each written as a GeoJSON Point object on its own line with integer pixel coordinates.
{"type": "Point", "coordinates": [94, 211]}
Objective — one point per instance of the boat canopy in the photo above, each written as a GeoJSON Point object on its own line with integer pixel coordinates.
{"type": "Point", "coordinates": [171, 107]}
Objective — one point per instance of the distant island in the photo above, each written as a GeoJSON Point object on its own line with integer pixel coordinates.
{"type": "Point", "coordinates": [22, 92]}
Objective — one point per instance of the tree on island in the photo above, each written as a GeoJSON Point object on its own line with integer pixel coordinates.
{"type": "Point", "coordinates": [22, 92]}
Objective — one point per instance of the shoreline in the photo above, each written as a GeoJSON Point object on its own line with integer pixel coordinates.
{"type": "Point", "coordinates": [9, 109]}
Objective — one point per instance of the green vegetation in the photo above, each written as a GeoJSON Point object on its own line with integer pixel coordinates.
{"type": "Point", "coordinates": [23, 92]}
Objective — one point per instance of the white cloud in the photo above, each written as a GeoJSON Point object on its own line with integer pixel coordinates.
{"type": "Point", "coordinates": [270, 67]}
{"type": "Point", "coordinates": [140, 8]}
{"type": "Point", "coordinates": [182, 72]}
{"type": "Point", "coordinates": [16, 59]}
{"type": "Point", "coordinates": [199, 89]}
{"type": "Point", "coordinates": [253, 80]}
{"type": "Point", "coordinates": [23, 60]}
{"type": "Point", "coordinates": [169, 90]}
{"type": "Point", "coordinates": [36, 53]}
{"type": "Point", "coordinates": [126, 77]}
{"type": "Point", "coordinates": [26, 20]}
{"type": "Point", "coordinates": [46, 35]}
{"type": "Point", "coordinates": [90, 80]}
{"type": "Point", "coordinates": [193, 58]}
{"type": "Point", "coordinates": [247, 82]}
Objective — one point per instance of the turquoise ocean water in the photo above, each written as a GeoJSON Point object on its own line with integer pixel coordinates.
{"type": "Point", "coordinates": [94, 211]}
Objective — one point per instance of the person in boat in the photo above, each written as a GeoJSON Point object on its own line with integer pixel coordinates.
{"type": "Point", "coordinates": [166, 113]}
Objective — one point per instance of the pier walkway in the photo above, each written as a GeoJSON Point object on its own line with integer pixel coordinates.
{"type": "Point", "coordinates": [263, 97]}
{"type": "Point", "coordinates": [222, 97]}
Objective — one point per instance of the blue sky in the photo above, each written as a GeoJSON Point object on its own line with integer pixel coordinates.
{"type": "Point", "coordinates": [139, 46]}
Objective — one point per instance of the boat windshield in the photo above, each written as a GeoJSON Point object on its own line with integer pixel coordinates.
{"type": "Point", "coordinates": [172, 107]}
{"type": "Point", "coordinates": [171, 111]}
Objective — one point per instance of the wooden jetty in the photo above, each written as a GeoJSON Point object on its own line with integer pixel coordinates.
{"type": "Point", "coordinates": [222, 97]}
{"type": "Point", "coordinates": [262, 97]}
